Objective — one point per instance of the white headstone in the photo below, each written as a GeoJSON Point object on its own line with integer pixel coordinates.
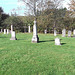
{"type": "Point", "coordinates": [57, 41]}
{"type": "Point", "coordinates": [55, 32]}
{"type": "Point", "coordinates": [7, 31]}
{"type": "Point", "coordinates": [13, 36]}
{"type": "Point", "coordinates": [45, 31]}
{"type": "Point", "coordinates": [74, 33]}
{"type": "Point", "coordinates": [69, 33]}
{"type": "Point", "coordinates": [35, 38]}
{"type": "Point", "coordinates": [29, 29]}
{"type": "Point", "coordinates": [63, 32]}
{"type": "Point", "coordinates": [4, 31]}
{"type": "Point", "coordinates": [11, 28]}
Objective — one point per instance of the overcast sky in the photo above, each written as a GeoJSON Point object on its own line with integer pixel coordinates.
{"type": "Point", "coordinates": [8, 5]}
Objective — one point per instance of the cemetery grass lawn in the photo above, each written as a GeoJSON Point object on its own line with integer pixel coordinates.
{"type": "Point", "coordinates": [21, 57]}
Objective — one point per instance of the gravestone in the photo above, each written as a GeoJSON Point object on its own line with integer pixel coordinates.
{"type": "Point", "coordinates": [55, 32]}
{"type": "Point", "coordinates": [69, 33]}
{"type": "Point", "coordinates": [35, 38]}
{"type": "Point", "coordinates": [45, 31]}
{"type": "Point", "coordinates": [63, 32]}
{"type": "Point", "coordinates": [11, 28]}
{"type": "Point", "coordinates": [7, 31]}
{"type": "Point", "coordinates": [1, 31]}
{"type": "Point", "coordinates": [13, 36]}
{"type": "Point", "coordinates": [57, 41]}
{"type": "Point", "coordinates": [29, 29]}
{"type": "Point", "coordinates": [4, 31]}
{"type": "Point", "coordinates": [74, 33]}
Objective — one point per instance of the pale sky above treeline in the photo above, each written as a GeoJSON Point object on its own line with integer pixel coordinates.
{"type": "Point", "coordinates": [8, 5]}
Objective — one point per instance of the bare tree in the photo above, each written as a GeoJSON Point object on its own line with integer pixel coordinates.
{"type": "Point", "coordinates": [72, 5]}
{"type": "Point", "coordinates": [57, 3]}
{"type": "Point", "coordinates": [31, 5]}
{"type": "Point", "coordinates": [72, 8]}
{"type": "Point", "coordinates": [18, 9]}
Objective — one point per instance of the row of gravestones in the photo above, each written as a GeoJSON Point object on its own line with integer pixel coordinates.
{"type": "Point", "coordinates": [63, 33]}
{"type": "Point", "coordinates": [7, 30]}
{"type": "Point", "coordinates": [13, 35]}
{"type": "Point", "coordinates": [55, 32]}
{"type": "Point", "coordinates": [57, 40]}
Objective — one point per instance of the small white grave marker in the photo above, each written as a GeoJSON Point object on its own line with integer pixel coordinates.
{"type": "Point", "coordinates": [57, 41]}
{"type": "Point", "coordinates": [63, 32]}
{"type": "Point", "coordinates": [69, 33]}
{"type": "Point", "coordinates": [45, 31]}
{"type": "Point", "coordinates": [13, 36]}
{"type": "Point", "coordinates": [4, 31]}
{"type": "Point", "coordinates": [7, 31]}
{"type": "Point", "coordinates": [55, 32]}
{"type": "Point", "coordinates": [29, 29]}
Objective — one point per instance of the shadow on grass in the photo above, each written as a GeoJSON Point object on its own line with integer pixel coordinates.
{"type": "Point", "coordinates": [63, 43]}
{"type": "Point", "coordinates": [45, 41]}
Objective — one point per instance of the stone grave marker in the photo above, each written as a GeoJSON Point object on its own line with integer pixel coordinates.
{"type": "Point", "coordinates": [7, 31]}
{"type": "Point", "coordinates": [35, 38]}
{"type": "Point", "coordinates": [29, 29]}
{"type": "Point", "coordinates": [4, 31]}
{"type": "Point", "coordinates": [57, 41]}
{"type": "Point", "coordinates": [69, 33]}
{"type": "Point", "coordinates": [13, 36]}
{"type": "Point", "coordinates": [45, 31]}
{"type": "Point", "coordinates": [63, 32]}
{"type": "Point", "coordinates": [55, 32]}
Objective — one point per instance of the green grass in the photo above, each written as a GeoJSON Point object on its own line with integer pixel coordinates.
{"type": "Point", "coordinates": [21, 57]}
